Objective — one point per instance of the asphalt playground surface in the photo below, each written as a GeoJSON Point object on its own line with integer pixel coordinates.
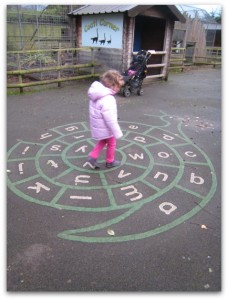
{"type": "Point", "coordinates": [153, 224]}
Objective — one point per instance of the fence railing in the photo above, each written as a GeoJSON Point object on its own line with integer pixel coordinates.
{"type": "Point", "coordinates": [26, 64]}
{"type": "Point", "coordinates": [212, 56]}
{"type": "Point", "coordinates": [160, 65]}
{"type": "Point", "coordinates": [177, 58]}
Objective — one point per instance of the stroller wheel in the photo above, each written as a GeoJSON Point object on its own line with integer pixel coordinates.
{"type": "Point", "coordinates": [140, 92]}
{"type": "Point", "coordinates": [126, 93]}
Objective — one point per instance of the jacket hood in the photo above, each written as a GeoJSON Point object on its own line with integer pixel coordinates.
{"type": "Point", "coordinates": [97, 90]}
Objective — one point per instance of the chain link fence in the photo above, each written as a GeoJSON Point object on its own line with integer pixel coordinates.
{"type": "Point", "coordinates": [39, 28]}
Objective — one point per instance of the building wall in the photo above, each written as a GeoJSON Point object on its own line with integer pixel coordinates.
{"type": "Point", "coordinates": [195, 33]}
{"type": "Point", "coordinates": [120, 58]}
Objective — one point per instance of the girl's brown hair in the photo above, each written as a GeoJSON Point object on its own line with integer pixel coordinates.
{"type": "Point", "coordinates": [112, 78]}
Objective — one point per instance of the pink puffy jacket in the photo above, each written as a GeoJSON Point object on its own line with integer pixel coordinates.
{"type": "Point", "coordinates": [103, 112]}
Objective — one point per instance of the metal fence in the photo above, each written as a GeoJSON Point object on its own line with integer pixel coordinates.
{"type": "Point", "coordinates": [26, 31]}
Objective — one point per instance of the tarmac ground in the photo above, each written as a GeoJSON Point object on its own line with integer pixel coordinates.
{"type": "Point", "coordinates": [152, 224]}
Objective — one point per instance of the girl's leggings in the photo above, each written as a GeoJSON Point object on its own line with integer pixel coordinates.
{"type": "Point", "coordinates": [110, 152]}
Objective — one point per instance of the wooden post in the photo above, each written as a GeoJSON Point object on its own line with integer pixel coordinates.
{"type": "Point", "coordinates": [59, 64]}
{"type": "Point", "coordinates": [92, 61]}
{"type": "Point", "coordinates": [19, 68]}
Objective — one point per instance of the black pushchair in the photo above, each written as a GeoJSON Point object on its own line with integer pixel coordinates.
{"type": "Point", "coordinates": [134, 76]}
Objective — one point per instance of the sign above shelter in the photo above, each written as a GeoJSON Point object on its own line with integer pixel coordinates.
{"type": "Point", "coordinates": [103, 30]}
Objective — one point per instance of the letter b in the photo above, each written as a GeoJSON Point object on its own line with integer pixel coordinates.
{"type": "Point", "coordinates": [196, 179]}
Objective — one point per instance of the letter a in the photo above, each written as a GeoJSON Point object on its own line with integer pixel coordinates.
{"type": "Point", "coordinates": [168, 211]}
{"type": "Point", "coordinates": [196, 179]}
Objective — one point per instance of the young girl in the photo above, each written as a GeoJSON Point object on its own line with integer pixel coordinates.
{"type": "Point", "coordinates": [103, 117]}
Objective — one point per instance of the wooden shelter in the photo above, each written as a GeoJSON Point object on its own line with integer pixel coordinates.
{"type": "Point", "coordinates": [117, 31]}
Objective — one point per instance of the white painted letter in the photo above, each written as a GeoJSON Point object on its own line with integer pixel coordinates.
{"type": "Point", "coordinates": [136, 156]}
{"type": "Point", "coordinates": [133, 127]}
{"type": "Point", "coordinates": [38, 187]}
{"type": "Point", "coordinates": [196, 179]}
{"type": "Point", "coordinates": [165, 176]}
{"type": "Point", "coordinates": [71, 128]}
{"type": "Point", "coordinates": [25, 150]}
{"type": "Point", "coordinates": [122, 174]}
{"type": "Point", "coordinates": [88, 163]}
{"type": "Point", "coordinates": [190, 154]}
{"type": "Point", "coordinates": [78, 137]}
{"type": "Point", "coordinates": [45, 135]}
{"type": "Point", "coordinates": [20, 166]}
{"type": "Point", "coordinates": [168, 137]}
{"type": "Point", "coordinates": [139, 139]}
{"type": "Point", "coordinates": [81, 197]}
{"type": "Point", "coordinates": [52, 163]}
{"type": "Point", "coordinates": [134, 191]}
{"type": "Point", "coordinates": [163, 154]}
{"type": "Point", "coordinates": [168, 211]}
{"type": "Point", "coordinates": [77, 179]}
{"type": "Point", "coordinates": [81, 149]}
{"type": "Point", "coordinates": [55, 148]}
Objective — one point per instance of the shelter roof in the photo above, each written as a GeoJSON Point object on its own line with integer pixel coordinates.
{"type": "Point", "coordinates": [132, 10]}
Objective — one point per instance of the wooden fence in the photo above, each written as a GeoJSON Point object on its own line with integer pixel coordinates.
{"type": "Point", "coordinates": [212, 56]}
{"type": "Point", "coordinates": [177, 59]}
{"type": "Point", "coordinates": [21, 72]}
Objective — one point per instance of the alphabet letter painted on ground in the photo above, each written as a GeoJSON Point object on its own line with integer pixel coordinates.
{"type": "Point", "coordinates": [167, 211]}
{"type": "Point", "coordinates": [52, 163]}
{"type": "Point", "coordinates": [168, 137]}
{"type": "Point", "coordinates": [122, 174]}
{"type": "Point", "coordinates": [20, 166]}
{"type": "Point", "coordinates": [134, 191]}
{"type": "Point", "coordinates": [78, 179]}
{"type": "Point", "coordinates": [163, 154]}
{"type": "Point", "coordinates": [190, 154]}
{"type": "Point", "coordinates": [78, 137]}
{"type": "Point", "coordinates": [55, 148]}
{"type": "Point", "coordinates": [81, 149]}
{"type": "Point", "coordinates": [88, 163]}
{"type": "Point", "coordinates": [140, 139]}
{"type": "Point", "coordinates": [136, 156]}
{"type": "Point", "coordinates": [196, 179]}
{"type": "Point", "coordinates": [45, 135]}
{"type": "Point", "coordinates": [25, 150]}
{"type": "Point", "coordinates": [71, 128]}
{"type": "Point", "coordinates": [38, 187]}
{"type": "Point", "coordinates": [133, 127]}
{"type": "Point", "coordinates": [80, 197]}
{"type": "Point", "coordinates": [165, 176]}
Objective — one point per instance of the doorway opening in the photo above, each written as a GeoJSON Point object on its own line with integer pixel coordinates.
{"type": "Point", "coordinates": [149, 35]}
